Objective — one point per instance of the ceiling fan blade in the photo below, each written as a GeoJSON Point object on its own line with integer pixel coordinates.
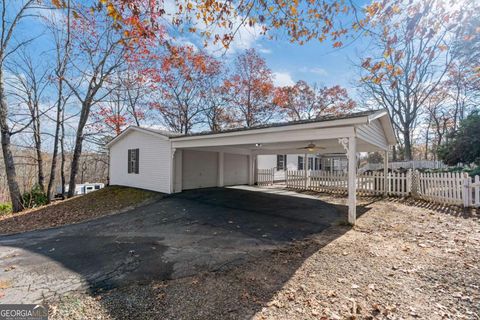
{"type": "Point", "coordinates": [315, 148]}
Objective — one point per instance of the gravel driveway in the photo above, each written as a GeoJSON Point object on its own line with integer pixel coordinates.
{"type": "Point", "coordinates": [178, 236]}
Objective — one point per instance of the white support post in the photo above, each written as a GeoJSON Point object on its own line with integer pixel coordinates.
{"type": "Point", "coordinates": [385, 173]}
{"type": "Point", "coordinates": [221, 169]}
{"type": "Point", "coordinates": [305, 170]}
{"type": "Point", "coordinates": [177, 167]}
{"type": "Point", "coordinates": [350, 145]}
{"type": "Point", "coordinates": [251, 169]}
{"type": "Point", "coordinates": [352, 180]}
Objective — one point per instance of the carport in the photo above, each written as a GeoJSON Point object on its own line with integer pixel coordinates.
{"type": "Point", "coordinates": [229, 157]}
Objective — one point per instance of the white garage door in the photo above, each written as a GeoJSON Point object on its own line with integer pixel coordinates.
{"type": "Point", "coordinates": [199, 169]}
{"type": "Point", "coordinates": [236, 169]}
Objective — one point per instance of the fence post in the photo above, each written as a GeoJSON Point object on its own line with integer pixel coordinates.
{"type": "Point", "coordinates": [467, 192]}
{"type": "Point", "coordinates": [385, 173]}
{"type": "Point", "coordinates": [414, 183]}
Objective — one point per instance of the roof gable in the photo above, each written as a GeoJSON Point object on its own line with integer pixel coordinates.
{"type": "Point", "coordinates": [165, 135]}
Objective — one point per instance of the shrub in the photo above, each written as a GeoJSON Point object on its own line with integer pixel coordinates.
{"type": "Point", "coordinates": [5, 208]}
{"type": "Point", "coordinates": [474, 172]}
{"type": "Point", "coordinates": [36, 197]}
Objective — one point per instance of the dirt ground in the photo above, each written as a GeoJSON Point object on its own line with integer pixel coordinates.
{"type": "Point", "coordinates": [403, 260]}
{"type": "Point", "coordinates": [100, 203]}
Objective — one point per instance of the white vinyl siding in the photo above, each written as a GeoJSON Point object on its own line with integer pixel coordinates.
{"type": "Point", "coordinates": [154, 162]}
{"type": "Point", "coordinates": [373, 133]}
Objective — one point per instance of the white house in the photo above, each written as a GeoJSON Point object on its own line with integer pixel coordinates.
{"type": "Point", "coordinates": [168, 162]}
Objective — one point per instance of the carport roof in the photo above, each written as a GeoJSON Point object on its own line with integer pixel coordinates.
{"type": "Point", "coordinates": [288, 123]}
{"type": "Point", "coordinates": [356, 118]}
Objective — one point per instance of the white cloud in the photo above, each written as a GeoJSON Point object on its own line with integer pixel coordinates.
{"type": "Point", "coordinates": [182, 41]}
{"type": "Point", "coordinates": [264, 50]}
{"type": "Point", "coordinates": [319, 71]}
{"type": "Point", "coordinates": [282, 79]}
{"type": "Point", "coordinates": [315, 70]}
{"type": "Point", "coordinates": [245, 38]}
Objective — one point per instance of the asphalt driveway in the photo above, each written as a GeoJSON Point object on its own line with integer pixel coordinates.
{"type": "Point", "coordinates": [180, 235]}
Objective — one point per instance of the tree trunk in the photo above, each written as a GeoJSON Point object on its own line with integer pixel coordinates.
{"type": "Point", "coordinates": [394, 153]}
{"type": "Point", "coordinates": [41, 176]}
{"type": "Point", "coordinates": [10, 171]}
{"type": "Point", "coordinates": [62, 150]}
{"type": "Point", "coordinates": [38, 149]}
{"type": "Point", "coordinates": [407, 151]}
{"type": "Point", "coordinates": [427, 140]}
{"type": "Point", "coordinates": [53, 168]}
{"type": "Point", "coordinates": [77, 152]}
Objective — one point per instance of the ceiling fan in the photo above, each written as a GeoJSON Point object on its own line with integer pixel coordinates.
{"type": "Point", "coordinates": [311, 147]}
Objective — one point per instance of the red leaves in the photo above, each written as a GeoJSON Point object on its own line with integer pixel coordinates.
{"type": "Point", "coordinates": [250, 89]}
{"type": "Point", "coordinates": [111, 117]}
{"type": "Point", "coordinates": [304, 102]}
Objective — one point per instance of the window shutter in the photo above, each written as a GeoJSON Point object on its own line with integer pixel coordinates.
{"type": "Point", "coordinates": [129, 158]}
{"type": "Point", "coordinates": [137, 160]}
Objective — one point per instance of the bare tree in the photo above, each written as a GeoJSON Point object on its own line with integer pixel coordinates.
{"type": "Point", "coordinates": [414, 56]}
{"type": "Point", "coordinates": [96, 55]}
{"type": "Point", "coordinates": [10, 16]}
{"type": "Point", "coordinates": [440, 114]}
{"type": "Point", "coordinates": [61, 32]}
{"type": "Point", "coordinates": [134, 91]}
{"type": "Point", "coordinates": [29, 88]}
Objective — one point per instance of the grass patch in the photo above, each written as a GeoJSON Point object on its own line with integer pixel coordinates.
{"type": "Point", "coordinates": [5, 208]}
{"type": "Point", "coordinates": [96, 204]}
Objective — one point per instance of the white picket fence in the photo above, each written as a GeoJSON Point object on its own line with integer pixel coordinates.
{"type": "Point", "coordinates": [449, 188]}
{"type": "Point", "coordinates": [444, 188]}
{"type": "Point", "coordinates": [265, 177]}
{"type": "Point", "coordinates": [473, 198]}
{"type": "Point", "coordinates": [337, 182]}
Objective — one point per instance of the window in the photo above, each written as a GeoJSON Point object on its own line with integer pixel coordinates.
{"type": "Point", "coordinates": [318, 165]}
{"type": "Point", "coordinates": [310, 163]}
{"type": "Point", "coordinates": [133, 159]}
{"type": "Point", "coordinates": [281, 162]}
{"type": "Point", "coordinates": [300, 165]}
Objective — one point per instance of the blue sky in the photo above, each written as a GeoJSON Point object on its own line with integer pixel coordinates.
{"type": "Point", "coordinates": [314, 62]}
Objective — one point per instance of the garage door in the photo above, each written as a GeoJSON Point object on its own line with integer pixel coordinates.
{"type": "Point", "coordinates": [199, 169]}
{"type": "Point", "coordinates": [236, 169]}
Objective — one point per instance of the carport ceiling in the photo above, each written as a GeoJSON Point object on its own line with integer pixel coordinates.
{"type": "Point", "coordinates": [297, 147]}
